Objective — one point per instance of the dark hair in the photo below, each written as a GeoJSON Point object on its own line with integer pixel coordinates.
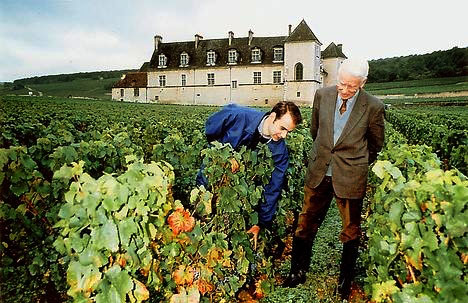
{"type": "Point", "coordinates": [284, 107]}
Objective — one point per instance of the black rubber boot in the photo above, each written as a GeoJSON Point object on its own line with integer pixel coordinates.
{"type": "Point", "coordinates": [347, 268]}
{"type": "Point", "coordinates": [300, 262]}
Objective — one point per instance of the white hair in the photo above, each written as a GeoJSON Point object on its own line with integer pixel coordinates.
{"type": "Point", "coordinates": [355, 67]}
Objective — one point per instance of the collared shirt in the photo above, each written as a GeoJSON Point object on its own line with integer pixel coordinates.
{"type": "Point", "coordinates": [260, 130]}
{"type": "Point", "coordinates": [340, 120]}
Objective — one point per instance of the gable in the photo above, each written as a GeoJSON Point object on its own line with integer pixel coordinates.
{"type": "Point", "coordinates": [302, 33]}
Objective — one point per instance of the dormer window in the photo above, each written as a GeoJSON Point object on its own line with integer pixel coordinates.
{"type": "Point", "coordinates": [184, 59]}
{"type": "Point", "coordinates": [162, 61]}
{"type": "Point", "coordinates": [278, 54]}
{"type": "Point", "coordinates": [210, 58]}
{"type": "Point", "coordinates": [232, 56]}
{"type": "Point", "coordinates": [256, 55]}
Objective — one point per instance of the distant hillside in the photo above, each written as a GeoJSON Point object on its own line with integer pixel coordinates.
{"type": "Point", "coordinates": [96, 85]}
{"type": "Point", "coordinates": [70, 77]}
{"type": "Point", "coordinates": [448, 63]}
{"type": "Point", "coordinates": [433, 86]}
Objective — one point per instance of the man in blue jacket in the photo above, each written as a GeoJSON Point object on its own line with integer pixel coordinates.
{"type": "Point", "coordinates": [243, 126]}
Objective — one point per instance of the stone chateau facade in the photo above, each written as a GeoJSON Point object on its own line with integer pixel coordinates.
{"type": "Point", "coordinates": [248, 70]}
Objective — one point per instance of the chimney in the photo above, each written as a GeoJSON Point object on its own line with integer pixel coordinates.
{"type": "Point", "coordinates": [157, 42]}
{"type": "Point", "coordinates": [231, 36]}
{"type": "Point", "coordinates": [250, 36]}
{"type": "Point", "coordinates": [289, 32]}
{"type": "Point", "coordinates": [340, 47]}
{"type": "Point", "coordinates": [197, 40]}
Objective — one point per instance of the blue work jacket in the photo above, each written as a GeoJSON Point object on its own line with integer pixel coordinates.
{"type": "Point", "coordinates": [238, 125]}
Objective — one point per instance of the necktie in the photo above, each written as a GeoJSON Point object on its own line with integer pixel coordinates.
{"type": "Point", "coordinates": [343, 106]}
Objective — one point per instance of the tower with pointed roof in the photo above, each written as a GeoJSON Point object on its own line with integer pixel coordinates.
{"type": "Point", "coordinates": [332, 57]}
{"type": "Point", "coordinates": [301, 64]}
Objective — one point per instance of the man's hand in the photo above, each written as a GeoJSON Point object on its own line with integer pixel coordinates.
{"type": "Point", "coordinates": [254, 230]}
{"type": "Point", "coordinates": [234, 165]}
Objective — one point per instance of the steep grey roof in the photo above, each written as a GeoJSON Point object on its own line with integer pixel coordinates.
{"type": "Point", "coordinates": [144, 67]}
{"type": "Point", "coordinates": [333, 51]}
{"type": "Point", "coordinates": [197, 56]}
{"type": "Point", "coordinates": [137, 79]}
{"type": "Point", "coordinates": [302, 33]}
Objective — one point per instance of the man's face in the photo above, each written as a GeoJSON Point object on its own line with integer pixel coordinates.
{"type": "Point", "coordinates": [280, 128]}
{"type": "Point", "coordinates": [348, 85]}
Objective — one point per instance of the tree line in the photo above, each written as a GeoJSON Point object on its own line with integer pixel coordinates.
{"type": "Point", "coordinates": [448, 63]}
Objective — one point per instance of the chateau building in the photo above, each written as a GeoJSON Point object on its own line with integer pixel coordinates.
{"type": "Point", "coordinates": [247, 70]}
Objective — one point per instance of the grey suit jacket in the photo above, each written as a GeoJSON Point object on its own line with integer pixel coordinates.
{"type": "Point", "coordinates": [362, 138]}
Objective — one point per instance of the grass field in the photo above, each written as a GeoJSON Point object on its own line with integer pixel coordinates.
{"type": "Point", "coordinates": [90, 88]}
{"type": "Point", "coordinates": [436, 85]}
{"type": "Point", "coordinates": [420, 101]}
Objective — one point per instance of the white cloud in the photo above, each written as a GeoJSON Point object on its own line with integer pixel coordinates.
{"type": "Point", "coordinates": [74, 51]}
{"type": "Point", "coordinates": [89, 40]}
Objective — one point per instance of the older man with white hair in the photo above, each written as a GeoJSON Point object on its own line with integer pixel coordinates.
{"type": "Point", "coordinates": [348, 131]}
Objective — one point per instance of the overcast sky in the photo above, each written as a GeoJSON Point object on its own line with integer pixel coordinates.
{"type": "Point", "coordinates": [67, 36]}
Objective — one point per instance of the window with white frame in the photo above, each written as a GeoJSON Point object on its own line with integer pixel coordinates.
{"type": "Point", "coordinates": [277, 76]}
{"type": "Point", "coordinates": [210, 58]}
{"type": "Point", "coordinates": [232, 56]}
{"type": "Point", "coordinates": [183, 79]}
{"type": "Point", "coordinates": [184, 59]}
{"type": "Point", "coordinates": [257, 77]}
{"type": "Point", "coordinates": [121, 92]}
{"type": "Point", "coordinates": [278, 54]}
{"type": "Point", "coordinates": [256, 55]}
{"type": "Point", "coordinates": [162, 61]}
{"type": "Point", "coordinates": [136, 92]}
{"type": "Point", "coordinates": [162, 80]}
{"type": "Point", "coordinates": [211, 78]}
{"type": "Point", "coordinates": [234, 83]}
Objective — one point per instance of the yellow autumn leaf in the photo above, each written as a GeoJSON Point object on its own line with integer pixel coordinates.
{"type": "Point", "coordinates": [141, 293]}
{"type": "Point", "coordinates": [183, 275]}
